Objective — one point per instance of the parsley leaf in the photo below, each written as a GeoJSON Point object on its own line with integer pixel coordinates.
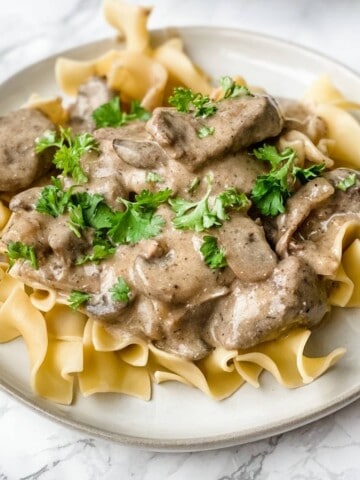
{"type": "Point", "coordinates": [70, 150]}
{"type": "Point", "coordinates": [138, 221]}
{"type": "Point", "coordinates": [193, 215]}
{"type": "Point", "coordinates": [96, 213]}
{"type": "Point", "coordinates": [232, 90]}
{"type": "Point", "coordinates": [100, 252]}
{"type": "Point", "coordinates": [185, 100]}
{"type": "Point", "coordinates": [347, 182]}
{"type": "Point", "coordinates": [230, 198]}
{"type": "Point", "coordinates": [193, 185]}
{"type": "Point", "coordinates": [214, 257]}
{"type": "Point", "coordinates": [271, 190]}
{"type": "Point", "coordinates": [18, 250]}
{"type": "Point", "coordinates": [269, 153]}
{"type": "Point", "coordinates": [199, 216]}
{"type": "Point", "coordinates": [77, 298]}
{"type": "Point", "coordinates": [77, 222]}
{"type": "Point", "coordinates": [307, 174]}
{"type": "Point", "coordinates": [53, 199]}
{"type": "Point", "coordinates": [154, 177]}
{"type": "Point", "coordinates": [110, 114]}
{"type": "Point", "coordinates": [120, 291]}
{"type": "Point", "coordinates": [205, 131]}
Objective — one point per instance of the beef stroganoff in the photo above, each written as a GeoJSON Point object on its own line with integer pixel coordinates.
{"type": "Point", "coordinates": [163, 228]}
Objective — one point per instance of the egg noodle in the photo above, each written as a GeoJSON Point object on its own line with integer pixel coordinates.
{"type": "Point", "coordinates": [64, 344]}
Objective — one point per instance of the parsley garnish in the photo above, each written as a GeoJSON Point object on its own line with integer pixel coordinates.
{"type": "Point", "coordinates": [271, 190]}
{"type": "Point", "coordinates": [154, 177]}
{"type": "Point", "coordinates": [100, 252]}
{"type": "Point", "coordinates": [232, 90]}
{"type": "Point", "coordinates": [307, 174]}
{"type": "Point", "coordinates": [70, 150]}
{"type": "Point", "coordinates": [214, 257]}
{"type": "Point", "coordinates": [102, 248]}
{"type": "Point", "coordinates": [77, 222]}
{"type": "Point", "coordinates": [230, 198]}
{"type": "Point", "coordinates": [195, 182]}
{"type": "Point", "coordinates": [120, 291]}
{"type": "Point", "coordinates": [199, 216]}
{"type": "Point", "coordinates": [185, 100]}
{"type": "Point", "coordinates": [77, 298]}
{"type": "Point", "coordinates": [194, 215]}
{"type": "Point", "coordinates": [205, 131]}
{"type": "Point", "coordinates": [18, 250]}
{"type": "Point", "coordinates": [347, 182]}
{"type": "Point", "coordinates": [53, 199]}
{"type": "Point", "coordinates": [110, 114]}
{"type": "Point", "coordinates": [138, 221]}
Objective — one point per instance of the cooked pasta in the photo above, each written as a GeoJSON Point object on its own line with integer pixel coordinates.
{"type": "Point", "coordinates": [67, 347]}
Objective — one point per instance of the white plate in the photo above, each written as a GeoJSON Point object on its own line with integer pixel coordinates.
{"type": "Point", "coordinates": [179, 417]}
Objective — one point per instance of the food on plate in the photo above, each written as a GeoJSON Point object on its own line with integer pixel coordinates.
{"type": "Point", "coordinates": [164, 228]}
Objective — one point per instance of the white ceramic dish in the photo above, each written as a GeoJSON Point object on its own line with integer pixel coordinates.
{"type": "Point", "coordinates": [178, 417]}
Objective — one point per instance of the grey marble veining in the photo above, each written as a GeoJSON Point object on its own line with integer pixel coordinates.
{"type": "Point", "coordinates": [32, 447]}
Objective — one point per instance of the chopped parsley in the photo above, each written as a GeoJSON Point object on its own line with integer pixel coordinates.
{"type": "Point", "coordinates": [347, 182]}
{"type": "Point", "coordinates": [193, 215]}
{"type": "Point", "coordinates": [205, 131]}
{"type": "Point", "coordinates": [110, 114]}
{"type": "Point", "coordinates": [307, 174]}
{"type": "Point", "coordinates": [101, 248]}
{"type": "Point", "coordinates": [77, 221]}
{"type": "Point", "coordinates": [230, 198]}
{"type": "Point", "coordinates": [214, 257]}
{"type": "Point", "coordinates": [53, 199]}
{"type": "Point", "coordinates": [271, 190]}
{"type": "Point", "coordinates": [19, 250]}
{"type": "Point", "coordinates": [194, 184]}
{"type": "Point", "coordinates": [154, 177]}
{"type": "Point", "coordinates": [199, 216]}
{"type": "Point", "coordinates": [70, 149]}
{"type": "Point", "coordinates": [138, 221]}
{"type": "Point", "coordinates": [120, 292]}
{"type": "Point", "coordinates": [232, 90]}
{"type": "Point", "coordinates": [185, 100]}
{"type": "Point", "coordinates": [77, 298]}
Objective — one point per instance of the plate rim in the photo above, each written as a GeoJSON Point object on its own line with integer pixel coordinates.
{"type": "Point", "coordinates": [214, 441]}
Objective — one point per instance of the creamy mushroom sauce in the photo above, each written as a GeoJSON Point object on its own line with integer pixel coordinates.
{"type": "Point", "coordinates": [274, 278]}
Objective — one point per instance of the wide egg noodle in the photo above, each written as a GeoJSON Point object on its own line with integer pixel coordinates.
{"type": "Point", "coordinates": [322, 90]}
{"type": "Point", "coordinates": [346, 292]}
{"type": "Point", "coordinates": [4, 215]}
{"type": "Point", "coordinates": [130, 21]}
{"type": "Point", "coordinates": [343, 128]}
{"type": "Point", "coordinates": [132, 349]}
{"type": "Point", "coordinates": [51, 107]}
{"type": "Point", "coordinates": [284, 358]}
{"type": "Point", "coordinates": [213, 375]}
{"type": "Point", "coordinates": [137, 75]}
{"type": "Point", "coordinates": [107, 372]}
{"type": "Point", "coordinates": [43, 299]}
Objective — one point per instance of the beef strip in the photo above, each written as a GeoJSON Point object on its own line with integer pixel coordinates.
{"type": "Point", "coordinates": [238, 123]}
{"type": "Point", "coordinates": [20, 165]}
{"type": "Point", "coordinates": [257, 312]}
{"type": "Point", "coordinates": [318, 240]}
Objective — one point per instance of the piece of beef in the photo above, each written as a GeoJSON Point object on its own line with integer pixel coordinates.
{"type": "Point", "coordinates": [20, 165]}
{"type": "Point", "coordinates": [258, 312]}
{"type": "Point", "coordinates": [238, 123]}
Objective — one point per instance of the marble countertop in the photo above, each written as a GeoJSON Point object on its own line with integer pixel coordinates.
{"type": "Point", "coordinates": [32, 447]}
